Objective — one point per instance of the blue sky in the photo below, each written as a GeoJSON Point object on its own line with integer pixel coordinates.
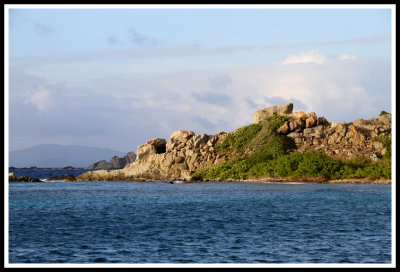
{"type": "Point", "coordinates": [114, 78]}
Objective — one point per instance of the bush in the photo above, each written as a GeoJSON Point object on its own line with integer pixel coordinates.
{"type": "Point", "coordinates": [239, 140]}
{"type": "Point", "coordinates": [387, 143]}
{"type": "Point", "coordinates": [383, 113]}
{"type": "Point", "coordinates": [224, 171]}
{"type": "Point", "coordinates": [315, 164]}
{"type": "Point", "coordinates": [297, 164]}
{"type": "Point", "coordinates": [309, 164]}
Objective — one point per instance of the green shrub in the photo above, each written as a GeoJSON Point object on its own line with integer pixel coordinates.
{"type": "Point", "coordinates": [315, 164]}
{"type": "Point", "coordinates": [310, 164]}
{"type": "Point", "coordinates": [297, 164]}
{"type": "Point", "coordinates": [239, 140]}
{"type": "Point", "coordinates": [387, 143]}
{"type": "Point", "coordinates": [224, 171]}
{"type": "Point", "coordinates": [383, 113]}
{"type": "Point", "coordinates": [257, 137]}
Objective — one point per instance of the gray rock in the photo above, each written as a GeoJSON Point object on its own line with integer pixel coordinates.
{"type": "Point", "coordinates": [103, 164]}
{"type": "Point", "coordinates": [385, 119]}
{"type": "Point", "coordinates": [313, 130]}
{"type": "Point", "coordinates": [115, 162]}
{"type": "Point", "coordinates": [130, 157]}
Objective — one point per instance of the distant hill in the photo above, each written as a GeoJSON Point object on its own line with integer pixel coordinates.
{"type": "Point", "coordinates": [53, 155]}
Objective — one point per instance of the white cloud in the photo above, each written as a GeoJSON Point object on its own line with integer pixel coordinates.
{"type": "Point", "coordinates": [307, 57]}
{"type": "Point", "coordinates": [313, 56]}
{"type": "Point", "coordinates": [41, 99]}
{"type": "Point", "coordinates": [347, 57]}
{"type": "Point", "coordinates": [339, 90]}
{"type": "Point", "coordinates": [125, 111]}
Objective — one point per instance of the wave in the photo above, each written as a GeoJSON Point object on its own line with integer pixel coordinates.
{"type": "Point", "coordinates": [45, 180]}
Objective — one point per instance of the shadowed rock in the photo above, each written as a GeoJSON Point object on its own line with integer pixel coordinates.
{"type": "Point", "coordinates": [115, 162]}
{"type": "Point", "coordinates": [13, 178]}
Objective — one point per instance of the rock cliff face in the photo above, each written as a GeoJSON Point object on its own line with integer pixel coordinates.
{"type": "Point", "coordinates": [158, 159]}
{"type": "Point", "coordinates": [115, 162]}
{"type": "Point", "coordinates": [186, 152]}
{"type": "Point", "coordinates": [339, 140]}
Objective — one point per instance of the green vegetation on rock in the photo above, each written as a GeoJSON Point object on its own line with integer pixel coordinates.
{"type": "Point", "coordinates": [315, 164]}
{"type": "Point", "coordinates": [257, 151]}
{"type": "Point", "coordinates": [383, 113]}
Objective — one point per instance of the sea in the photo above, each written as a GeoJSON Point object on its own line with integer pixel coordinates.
{"type": "Point", "coordinates": [126, 222]}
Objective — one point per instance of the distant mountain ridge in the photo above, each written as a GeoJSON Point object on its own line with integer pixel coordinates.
{"type": "Point", "coordinates": [54, 155]}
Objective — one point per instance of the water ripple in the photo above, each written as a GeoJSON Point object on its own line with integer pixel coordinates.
{"type": "Point", "coordinates": [127, 222]}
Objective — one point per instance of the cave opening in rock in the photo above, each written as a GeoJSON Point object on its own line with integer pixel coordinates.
{"type": "Point", "coordinates": [161, 148]}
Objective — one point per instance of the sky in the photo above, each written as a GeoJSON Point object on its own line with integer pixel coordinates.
{"type": "Point", "coordinates": [116, 76]}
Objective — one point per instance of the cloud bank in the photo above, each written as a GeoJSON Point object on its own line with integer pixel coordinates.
{"type": "Point", "coordinates": [122, 112]}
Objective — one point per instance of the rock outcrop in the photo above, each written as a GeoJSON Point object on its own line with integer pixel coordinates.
{"type": "Point", "coordinates": [340, 140]}
{"type": "Point", "coordinates": [115, 162]}
{"type": "Point", "coordinates": [158, 159]}
{"type": "Point", "coordinates": [259, 115]}
{"type": "Point", "coordinates": [66, 177]}
{"type": "Point", "coordinates": [185, 152]}
{"type": "Point", "coordinates": [13, 178]}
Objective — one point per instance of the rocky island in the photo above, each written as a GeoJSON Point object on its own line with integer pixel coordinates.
{"type": "Point", "coordinates": [280, 145]}
{"type": "Point", "coordinates": [115, 162]}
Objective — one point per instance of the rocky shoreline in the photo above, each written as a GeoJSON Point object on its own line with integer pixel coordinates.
{"type": "Point", "coordinates": [185, 152]}
{"type": "Point", "coordinates": [70, 178]}
{"type": "Point", "coordinates": [323, 180]}
{"type": "Point", "coordinates": [13, 178]}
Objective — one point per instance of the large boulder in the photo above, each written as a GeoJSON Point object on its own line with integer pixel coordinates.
{"type": "Point", "coordinates": [181, 135]}
{"type": "Point", "coordinates": [153, 146]}
{"type": "Point", "coordinates": [178, 139]}
{"type": "Point", "coordinates": [259, 115]}
{"type": "Point", "coordinates": [386, 119]}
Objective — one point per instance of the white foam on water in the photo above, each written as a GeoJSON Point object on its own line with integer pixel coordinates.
{"type": "Point", "coordinates": [61, 180]}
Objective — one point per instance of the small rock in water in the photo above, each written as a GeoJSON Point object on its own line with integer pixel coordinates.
{"type": "Point", "coordinates": [13, 178]}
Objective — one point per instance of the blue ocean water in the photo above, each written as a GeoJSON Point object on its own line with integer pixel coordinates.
{"type": "Point", "coordinates": [226, 222]}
